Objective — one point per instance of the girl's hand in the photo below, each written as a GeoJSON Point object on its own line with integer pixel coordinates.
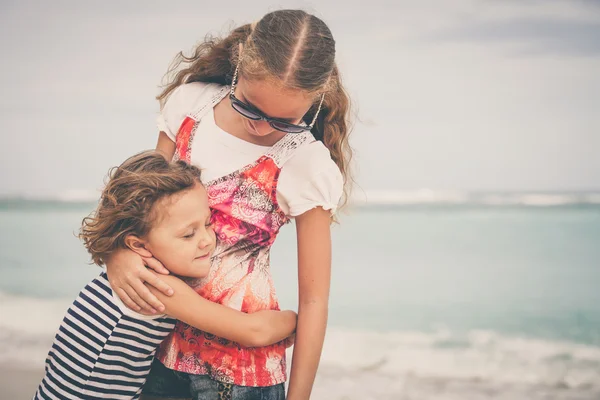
{"type": "Point", "coordinates": [127, 273]}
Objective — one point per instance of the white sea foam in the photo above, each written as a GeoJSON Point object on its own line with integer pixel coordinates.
{"type": "Point", "coordinates": [479, 355]}
{"type": "Point", "coordinates": [422, 196]}
{"type": "Point", "coordinates": [441, 197]}
{"type": "Point", "coordinates": [27, 327]}
{"type": "Point", "coordinates": [480, 365]}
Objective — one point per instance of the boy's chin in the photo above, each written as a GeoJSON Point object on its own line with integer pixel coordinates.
{"type": "Point", "coordinates": [199, 272]}
{"type": "Point", "coordinates": [195, 272]}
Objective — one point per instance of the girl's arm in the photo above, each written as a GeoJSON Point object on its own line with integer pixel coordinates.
{"type": "Point", "coordinates": [250, 330]}
{"type": "Point", "coordinates": [165, 146]}
{"type": "Point", "coordinates": [127, 272]}
{"type": "Point", "coordinates": [314, 274]}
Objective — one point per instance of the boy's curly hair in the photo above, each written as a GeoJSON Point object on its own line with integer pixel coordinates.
{"type": "Point", "coordinates": [126, 206]}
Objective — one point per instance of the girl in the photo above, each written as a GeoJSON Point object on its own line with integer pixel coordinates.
{"type": "Point", "coordinates": [103, 349]}
{"type": "Point", "coordinates": [263, 112]}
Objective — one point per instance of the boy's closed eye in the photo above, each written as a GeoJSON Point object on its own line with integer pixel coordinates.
{"type": "Point", "coordinates": [190, 235]}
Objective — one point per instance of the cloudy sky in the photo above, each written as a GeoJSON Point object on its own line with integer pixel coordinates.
{"type": "Point", "coordinates": [449, 94]}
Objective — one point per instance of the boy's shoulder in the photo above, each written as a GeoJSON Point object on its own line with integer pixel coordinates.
{"type": "Point", "coordinates": [99, 294]}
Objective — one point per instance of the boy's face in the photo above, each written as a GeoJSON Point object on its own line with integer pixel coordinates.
{"type": "Point", "coordinates": [181, 236]}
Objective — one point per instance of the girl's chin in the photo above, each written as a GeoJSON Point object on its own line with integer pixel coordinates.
{"type": "Point", "coordinates": [250, 129]}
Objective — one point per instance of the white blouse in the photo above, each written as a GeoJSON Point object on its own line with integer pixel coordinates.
{"type": "Point", "coordinates": [307, 180]}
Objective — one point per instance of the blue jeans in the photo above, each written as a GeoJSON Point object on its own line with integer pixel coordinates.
{"type": "Point", "coordinates": [166, 383]}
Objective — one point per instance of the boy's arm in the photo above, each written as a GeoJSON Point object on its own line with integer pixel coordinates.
{"type": "Point", "coordinates": [250, 330]}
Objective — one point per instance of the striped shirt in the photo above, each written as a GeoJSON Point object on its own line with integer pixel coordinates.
{"type": "Point", "coordinates": [102, 350]}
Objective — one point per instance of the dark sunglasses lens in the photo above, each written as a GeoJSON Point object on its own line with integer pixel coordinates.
{"type": "Point", "coordinates": [241, 108]}
{"type": "Point", "coordinates": [289, 128]}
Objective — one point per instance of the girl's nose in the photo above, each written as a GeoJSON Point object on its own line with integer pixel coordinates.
{"type": "Point", "coordinates": [263, 128]}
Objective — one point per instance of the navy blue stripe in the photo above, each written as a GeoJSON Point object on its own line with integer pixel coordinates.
{"type": "Point", "coordinates": [102, 397]}
{"type": "Point", "coordinates": [75, 349]}
{"type": "Point", "coordinates": [147, 334]}
{"type": "Point", "coordinates": [90, 314]}
{"type": "Point", "coordinates": [84, 332]}
{"type": "Point", "coordinates": [50, 389]}
{"type": "Point", "coordinates": [67, 367]}
{"type": "Point", "coordinates": [122, 335]}
{"type": "Point", "coordinates": [53, 379]}
{"type": "Point", "coordinates": [88, 324]}
{"type": "Point", "coordinates": [129, 347]}
{"type": "Point", "coordinates": [79, 341]}
{"type": "Point", "coordinates": [103, 297]}
{"type": "Point", "coordinates": [119, 363]}
{"type": "Point", "coordinates": [105, 371]}
{"type": "Point", "coordinates": [98, 307]}
{"type": "Point", "coordinates": [149, 325]}
{"type": "Point", "coordinates": [127, 356]}
{"type": "Point", "coordinates": [63, 353]}
{"type": "Point", "coordinates": [41, 394]}
{"type": "Point", "coordinates": [104, 283]}
{"type": "Point", "coordinates": [106, 390]}
{"type": "Point", "coordinates": [115, 381]}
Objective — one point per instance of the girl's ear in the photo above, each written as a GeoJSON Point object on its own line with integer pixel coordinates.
{"type": "Point", "coordinates": [138, 245]}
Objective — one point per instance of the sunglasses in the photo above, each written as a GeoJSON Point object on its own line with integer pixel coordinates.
{"type": "Point", "coordinates": [250, 112]}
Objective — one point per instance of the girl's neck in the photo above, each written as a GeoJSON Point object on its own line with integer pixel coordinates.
{"type": "Point", "coordinates": [231, 122]}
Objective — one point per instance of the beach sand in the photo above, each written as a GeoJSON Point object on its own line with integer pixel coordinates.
{"type": "Point", "coordinates": [18, 382]}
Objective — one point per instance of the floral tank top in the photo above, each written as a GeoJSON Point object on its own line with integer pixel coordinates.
{"type": "Point", "coordinates": [246, 219]}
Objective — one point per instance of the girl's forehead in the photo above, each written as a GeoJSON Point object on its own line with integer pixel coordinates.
{"type": "Point", "coordinates": [274, 99]}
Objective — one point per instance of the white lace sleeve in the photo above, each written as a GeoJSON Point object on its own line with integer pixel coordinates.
{"type": "Point", "coordinates": [315, 184]}
{"type": "Point", "coordinates": [179, 104]}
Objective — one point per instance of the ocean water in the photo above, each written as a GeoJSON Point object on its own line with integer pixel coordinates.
{"type": "Point", "coordinates": [471, 298]}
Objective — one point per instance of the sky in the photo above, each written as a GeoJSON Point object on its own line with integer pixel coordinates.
{"type": "Point", "coordinates": [475, 95]}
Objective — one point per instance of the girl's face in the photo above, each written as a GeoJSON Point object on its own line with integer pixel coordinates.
{"type": "Point", "coordinates": [181, 237]}
{"type": "Point", "coordinates": [273, 101]}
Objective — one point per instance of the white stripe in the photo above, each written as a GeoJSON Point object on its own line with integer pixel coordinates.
{"type": "Point", "coordinates": [93, 386]}
{"type": "Point", "coordinates": [118, 371]}
{"type": "Point", "coordinates": [108, 395]}
{"type": "Point", "coordinates": [165, 325]}
{"type": "Point", "coordinates": [76, 345]}
{"type": "Point", "coordinates": [48, 392]}
{"type": "Point", "coordinates": [59, 390]}
{"type": "Point", "coordinates": [74, 367]}
{"type": "Point", "coordinates": [102, 301]}
{"type": "Point", "coordinates": [91, 310]}
{"type": "Point", "coordinates": [88, 321]}
{"type": "Point", "coordinates": [125, 341]}
{"type": "Point", "coordinates": [68, 372]}
{"type": "Point", "coordinates": [100, 307]}
{"type": "Point", "coordinates": [138, 364]}
{"type": "Point", "coordinates": [83, 338]}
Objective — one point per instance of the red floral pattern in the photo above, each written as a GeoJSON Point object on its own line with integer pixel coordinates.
{"type": "Point", "coordinates": [246, 219]}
